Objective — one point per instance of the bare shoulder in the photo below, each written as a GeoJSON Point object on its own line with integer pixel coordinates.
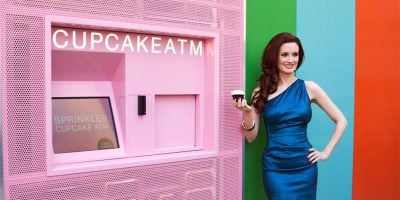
{"type": "Point", "coordinates": [313, 89]}
{"type": "Point", "coordinates": [311, 85]}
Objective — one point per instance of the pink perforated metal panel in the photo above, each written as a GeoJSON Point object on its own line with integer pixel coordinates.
{"type": "Point", "coordinates": [23, 104]}
{"type": "Point", "coordinates": [23, 115]}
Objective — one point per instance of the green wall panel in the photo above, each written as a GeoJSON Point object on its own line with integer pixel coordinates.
{"type": "Point", "coordinates": [264, 18]}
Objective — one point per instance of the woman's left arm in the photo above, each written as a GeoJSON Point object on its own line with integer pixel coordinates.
{"type": "Point", "coordinates": [318, 96]}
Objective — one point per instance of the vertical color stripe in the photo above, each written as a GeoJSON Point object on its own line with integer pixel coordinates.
{"type": "Point", "coordinates": [377, 108]}
{"type": "Point", "coordinates": [263, 20]}
{"type": "Point", "coordinates": [326, 29]}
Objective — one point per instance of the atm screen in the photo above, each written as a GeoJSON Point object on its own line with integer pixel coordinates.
{"type": "Point", "coordinates": [83, 124]}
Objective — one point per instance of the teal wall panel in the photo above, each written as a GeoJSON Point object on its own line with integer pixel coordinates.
{"type": "Point", "coordinates": [327, 31]}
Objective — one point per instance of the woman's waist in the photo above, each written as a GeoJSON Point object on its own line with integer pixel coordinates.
{"type": "Point", "coordinates": [294, 142]}
{"type": "Point", "coordinates": [289, 149]}
{"type": "Point", "coordinates": [279, 130]}
{"type": "Point", "coordinates": [286, 157]}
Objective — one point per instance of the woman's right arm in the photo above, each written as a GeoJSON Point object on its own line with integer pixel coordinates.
{"type": "Point", "coordinates": [250, 116]}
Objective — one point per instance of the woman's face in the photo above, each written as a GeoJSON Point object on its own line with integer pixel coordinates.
{"type": "Point", "coordinates": [288, 58]}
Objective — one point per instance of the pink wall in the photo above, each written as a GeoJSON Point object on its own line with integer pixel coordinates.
{"type": "Point", "coordinates": [26, 90]}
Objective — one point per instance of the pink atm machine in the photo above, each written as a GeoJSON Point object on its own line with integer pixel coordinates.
{"type": "Point", "coordinates": [94, 108]}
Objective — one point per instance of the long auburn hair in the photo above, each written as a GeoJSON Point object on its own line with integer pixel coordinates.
{"type": "Point", "coordinates": [268, 81]}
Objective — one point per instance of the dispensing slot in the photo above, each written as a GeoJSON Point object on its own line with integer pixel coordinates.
{"type": "Point", "coordinates": [141, 105]}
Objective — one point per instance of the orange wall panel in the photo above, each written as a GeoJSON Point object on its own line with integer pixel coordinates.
{"type": "Point", "coordinates": [377, 100]}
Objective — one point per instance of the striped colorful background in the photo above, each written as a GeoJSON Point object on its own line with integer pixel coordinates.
{"type": "Point", "coordinates": [352, 50]}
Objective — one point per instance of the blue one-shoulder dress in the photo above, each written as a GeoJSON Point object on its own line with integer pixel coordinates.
{"type": "Point", "coordinates": [287, 172]}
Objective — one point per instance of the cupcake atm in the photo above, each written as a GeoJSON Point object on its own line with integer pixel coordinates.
{"type": "Point", "coordinates": [122, 95]}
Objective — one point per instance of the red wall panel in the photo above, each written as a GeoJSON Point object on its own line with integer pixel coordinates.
{"type": "Point", "coordinates": [377, 100]}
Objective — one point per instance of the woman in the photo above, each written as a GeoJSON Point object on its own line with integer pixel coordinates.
{"type": "Point", "coordinates": [289, 161]}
